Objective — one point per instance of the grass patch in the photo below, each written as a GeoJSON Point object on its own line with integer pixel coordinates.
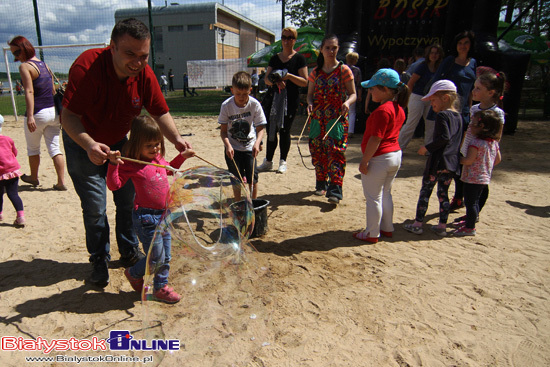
{"type": "Point", "coordinates": [207, 103]}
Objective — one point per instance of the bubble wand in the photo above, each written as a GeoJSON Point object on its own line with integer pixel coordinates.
{"type": "Point", "coordinates": [335, 122]}
{"type": "Point", "coordinates": [300, 138]}
{"type": "Point", "coordinates": [172, 169]}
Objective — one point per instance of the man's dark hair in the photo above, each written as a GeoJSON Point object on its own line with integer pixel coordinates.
{"type": "Point", "coordinates": [132, 27]}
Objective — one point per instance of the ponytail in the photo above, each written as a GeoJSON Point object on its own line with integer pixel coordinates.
{"type": "Point", "coordinates": [402, 93]}
{"type": "Point", "coordinates": [495, 82]}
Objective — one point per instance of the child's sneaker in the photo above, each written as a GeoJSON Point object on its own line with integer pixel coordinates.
{"type": "Point", "coordinates": [136, 283]}
{"type": "Point", "coordinates": [265, 166]}
{"type": "Point", "coordinates": [166, 295]}
{"type": "Point", "coordinates": [463, 231]}
{"type": "Point", "coordinates": [19, 222]}
{"type": "Point", "coordinates": [320, 192]}
{"type": "Point", "coordinates": [412, 228]}
{"type": "Point", "coordinates": [282, 166]}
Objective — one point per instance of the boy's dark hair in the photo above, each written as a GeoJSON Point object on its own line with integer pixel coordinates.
{"type": "Point", "coordinates": [132, 27]}
{"type": "Point", "coordinates": [241, 80]}
{"type": "Point", "coordinates": [492, 125]}
{"type": "Point", "coordinates": [144, 130]}
{"type": "Point", "coordinates": [495, 82]}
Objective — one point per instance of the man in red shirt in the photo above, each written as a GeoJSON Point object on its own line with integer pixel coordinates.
{"type": "Point", "coordinates": [107, 88]}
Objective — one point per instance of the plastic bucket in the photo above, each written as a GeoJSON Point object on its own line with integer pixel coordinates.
{"type": "Point", "coordinates": [260, 217]}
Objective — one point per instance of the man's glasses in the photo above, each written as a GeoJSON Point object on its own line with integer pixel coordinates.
{"type": "Point", "coordinates": [287, 38]}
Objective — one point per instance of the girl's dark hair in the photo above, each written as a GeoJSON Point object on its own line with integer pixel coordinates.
{"type": "Point", "coordinates": [495, 82]}
{"type": "Point", "coordinates": [440, 51]}
{"type": "Point", "coordinates": [400, 94]}
{"type": "Point", "coordinates": [144, 130]}
{"type": "Point", "coordinates": [27, 49]}
{"type": "Point", "coordinates": [492, 126]}
{"type": "Point", "coordinates": [321, 58]}
{"type": "Point", "coordinates": [464, 34]}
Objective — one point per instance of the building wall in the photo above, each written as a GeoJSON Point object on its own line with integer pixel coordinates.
{"type": "Point", "coordinates": [184, 33]}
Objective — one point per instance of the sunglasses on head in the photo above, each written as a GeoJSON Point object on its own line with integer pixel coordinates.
{"type": "Point", "coordinates": [287, 38]}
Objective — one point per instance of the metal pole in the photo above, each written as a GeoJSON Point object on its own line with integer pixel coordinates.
{"type": "Point", "coordinates": [153, 63]}
{"type": "Point", "coordinates": [37, 22]}
{"type": "Point", "coordinates": [283, 2]}
{"type": "Point", "coordinates": [11, 83]}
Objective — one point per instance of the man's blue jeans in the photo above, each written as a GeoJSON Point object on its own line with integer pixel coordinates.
{"type": "Point", "coordinates": [90, 185]}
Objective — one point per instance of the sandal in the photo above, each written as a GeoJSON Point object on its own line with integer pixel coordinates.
{"type": "Point", "coordinates": [361, 235]}
{"type": "Point", "coordinates": [413, 229]}
{"type": "Point", "coordinates": [60, 187]}
{"type": "Point", "coordinates": [27, 179]}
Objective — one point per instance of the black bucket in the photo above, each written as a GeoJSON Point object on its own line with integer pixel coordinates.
{"type": "Point", "coordinates": [260, 217]}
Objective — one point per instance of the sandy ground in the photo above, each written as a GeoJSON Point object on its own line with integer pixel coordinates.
{"type": "Point", "coordinates": [329, 300]}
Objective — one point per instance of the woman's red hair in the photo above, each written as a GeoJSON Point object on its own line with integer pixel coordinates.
{"type": "Point", "coordinates": [27, 49]}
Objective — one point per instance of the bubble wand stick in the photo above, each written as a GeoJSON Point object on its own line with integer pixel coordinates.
{"type": "Point", "coordinates": [335, 122]}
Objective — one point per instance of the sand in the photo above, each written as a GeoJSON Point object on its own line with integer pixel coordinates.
{"type": "Point", "coordinates": [333, 301]}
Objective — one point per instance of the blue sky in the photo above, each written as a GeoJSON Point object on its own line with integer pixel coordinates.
{"type": "Point", "coordinates": [91, 21]}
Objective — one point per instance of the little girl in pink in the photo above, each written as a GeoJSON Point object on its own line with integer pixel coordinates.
{"type": "Point", "coordinates": [9, 177]}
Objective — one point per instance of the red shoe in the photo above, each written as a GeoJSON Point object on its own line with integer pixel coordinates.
{"type": "Point", "coordinates": [136, 283]}
{"type": "Point", "coordinates": [166, 295]}
{"type": "Point", "coordinates": [386, 234]}
{"type": "Point", "coordinates": [365, 237]}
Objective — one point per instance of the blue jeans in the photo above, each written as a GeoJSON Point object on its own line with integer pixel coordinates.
{"type": "Point", "coordinates": [90, 185]}
{"type": "Point", "coordinates": [145, 225]}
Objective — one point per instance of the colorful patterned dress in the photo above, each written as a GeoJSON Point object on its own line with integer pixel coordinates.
{"type": "Point", "coordinates": [328, 155]}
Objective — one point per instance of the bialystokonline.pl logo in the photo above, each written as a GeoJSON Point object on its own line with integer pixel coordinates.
{"type": "Point", "coordinates": [119, 340]}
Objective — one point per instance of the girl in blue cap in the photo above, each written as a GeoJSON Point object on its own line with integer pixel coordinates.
{"type": "Point", "coordinates": [381, 152]}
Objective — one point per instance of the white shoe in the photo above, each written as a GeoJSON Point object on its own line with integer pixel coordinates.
{"type": "Point", "coordinates": [282, 166]}
{"type": "Point", "coordinates": [265, 166]}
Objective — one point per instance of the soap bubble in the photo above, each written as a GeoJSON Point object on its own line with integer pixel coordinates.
{"type": "Point", "coordinates": [226, 286]}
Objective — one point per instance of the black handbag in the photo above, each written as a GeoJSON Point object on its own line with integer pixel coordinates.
{"type": "Point", "coordinates": [59, 92]}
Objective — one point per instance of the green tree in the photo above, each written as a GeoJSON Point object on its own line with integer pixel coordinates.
{"type": "Point", "coordinates": [536, 21]}
{"type": "Point", "coordinates": [311, 13]}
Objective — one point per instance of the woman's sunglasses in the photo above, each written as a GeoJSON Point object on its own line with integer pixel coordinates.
{"type": "Point", "coordinates": [16, 53]}
{"type": "Point", "coordinates": [287, 38]}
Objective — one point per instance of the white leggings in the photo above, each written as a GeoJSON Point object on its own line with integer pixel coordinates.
{"type": "Point", "coordinates": [47, 125]}
{"type": "Point", "coordinates": [377, 185]}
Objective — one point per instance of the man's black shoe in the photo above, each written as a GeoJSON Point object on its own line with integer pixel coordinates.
{"type": "Point", "coordinates": [100, 273]}
{"type": "Point", "coordinates": [128, 261]}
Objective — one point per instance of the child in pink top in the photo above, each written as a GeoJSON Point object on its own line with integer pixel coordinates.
{"type": "Point", "coordinates": [483, 155]}
{"type": "Point", "coordinates": [9, 177]}
{"type": "Point", "coordinates": [146, 143]}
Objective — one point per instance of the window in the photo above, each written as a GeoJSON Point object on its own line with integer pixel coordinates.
{"type": "Point", "coordinates": [175, 28]}
{"type": "Point", "coordinates": [159, 45]}
{"type": "Point", "coordinates": [195, 27]}
{"type": "Point", "coordinates": [229, 38]}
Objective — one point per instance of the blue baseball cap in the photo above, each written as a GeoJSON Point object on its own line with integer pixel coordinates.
{"type": "Point", "coordinates": [384, 77]}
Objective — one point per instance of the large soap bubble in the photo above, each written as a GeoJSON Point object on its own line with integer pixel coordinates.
{"type": "Point", "coordinates": [226, 286]}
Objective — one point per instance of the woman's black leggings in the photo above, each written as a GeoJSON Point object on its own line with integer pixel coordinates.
{"type": "Point", "coordinates": [284, 134]}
